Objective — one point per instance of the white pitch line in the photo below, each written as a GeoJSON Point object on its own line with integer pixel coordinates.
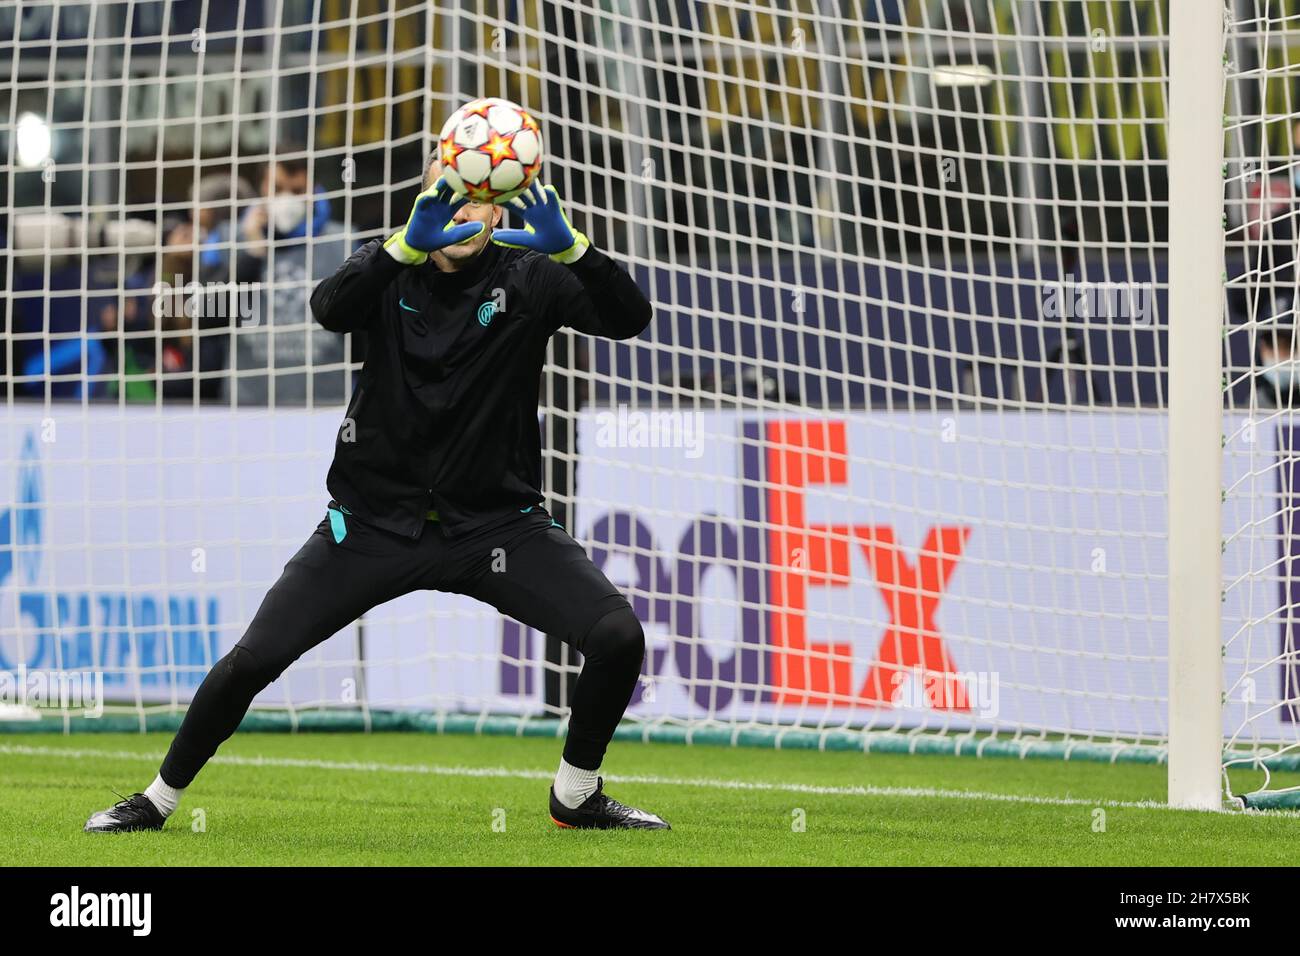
{"type": "Point", "coordinates": [928, 793]}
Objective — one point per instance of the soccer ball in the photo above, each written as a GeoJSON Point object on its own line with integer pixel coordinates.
{"type": "Point", "coordinates": [491, 150]}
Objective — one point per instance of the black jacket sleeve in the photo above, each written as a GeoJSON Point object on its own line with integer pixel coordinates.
{"type": "Point", "coordinates": [596, 295]}
{"type": "Point", "coordinates": [350, 298]}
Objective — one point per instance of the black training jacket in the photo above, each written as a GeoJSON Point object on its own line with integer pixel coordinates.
{"type": "Point", "coordinates": [444, 413]}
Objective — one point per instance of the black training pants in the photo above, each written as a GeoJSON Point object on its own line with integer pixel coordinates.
{"type": "Point", "coordinates": [526, 567]}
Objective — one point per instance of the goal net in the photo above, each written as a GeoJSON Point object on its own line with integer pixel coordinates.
{"type": "Point", "coordinates": [1262, 181]}
{"type": "Point", "coordinates": [890, 468]}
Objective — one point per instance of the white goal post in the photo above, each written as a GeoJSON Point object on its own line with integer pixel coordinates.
{"type": "Point", "coordinates": [1196, 320]}
{"type": "Point", "coordinates": [964, 423]}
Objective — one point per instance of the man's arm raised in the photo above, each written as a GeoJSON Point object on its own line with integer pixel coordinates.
{"type": "Point", "coordinates": [349, 299]}
{"type": "Point", "coordinates": [604, 300]}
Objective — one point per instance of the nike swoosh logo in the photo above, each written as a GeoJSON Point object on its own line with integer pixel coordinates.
{"type": "Point", "coordinates": [402, 303]}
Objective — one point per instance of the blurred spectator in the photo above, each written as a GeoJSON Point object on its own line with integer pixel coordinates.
{"type": "Point", "coordinates": [60, 284]}
{"type": "Point", "coordinates": [1270, 251]}
{"type": "Point", "coordinates": [1278, 380]}
{"type": "Point", "coordinates": [52, 355]}
{"type": "Point", "coordinates": [215, 199]}
{"type": "Point", "coordinates": [153, 342]}
{"type": "Point", "coordinates": [289, 242]}
{"type": "Point", "coordinates": [128, 341]}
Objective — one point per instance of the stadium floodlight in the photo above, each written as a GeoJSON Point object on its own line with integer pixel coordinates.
{"type": "Point", "coordinates": [33, 140]}
{"type": "Point", "coordinates": [962, 74]}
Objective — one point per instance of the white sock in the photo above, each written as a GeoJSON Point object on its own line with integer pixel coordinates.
{"type": "Point", "coordinates": [573, 785]}
{"type": "Point", "coordinates": [163, 797]}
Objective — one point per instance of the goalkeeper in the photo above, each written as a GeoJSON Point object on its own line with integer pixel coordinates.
{"type": "Point", "coordinates": [436, 479]}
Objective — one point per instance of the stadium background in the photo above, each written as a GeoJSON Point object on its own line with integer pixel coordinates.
{"type": "Point", "coordinates": [912, 285]}
{"type": "Point", "coordinates": [138, 120]}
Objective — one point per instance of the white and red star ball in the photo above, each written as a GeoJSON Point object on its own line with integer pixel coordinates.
{"type": "Point", "coordinates": [491, 150]}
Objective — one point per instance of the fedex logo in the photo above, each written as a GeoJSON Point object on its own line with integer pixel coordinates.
{"type": "Point", "coordinates": [778, 558]}
{"type": "Point", "coordinates": [803, 555]}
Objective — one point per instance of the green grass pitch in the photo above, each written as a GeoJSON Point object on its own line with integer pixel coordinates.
{"type": "Point", "coordinates": [422, 799]}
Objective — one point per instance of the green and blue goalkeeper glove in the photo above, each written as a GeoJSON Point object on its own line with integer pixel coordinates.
{"type": "Point", "coordinates": [429, 228]}
{"type": "Point", "coordinates": [547, 229]}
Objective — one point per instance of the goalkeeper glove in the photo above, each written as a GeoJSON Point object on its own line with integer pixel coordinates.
{"type": "Point", "coordinates": [429, 228]}
{"type": "Point", "coordinates": [547, 229]}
